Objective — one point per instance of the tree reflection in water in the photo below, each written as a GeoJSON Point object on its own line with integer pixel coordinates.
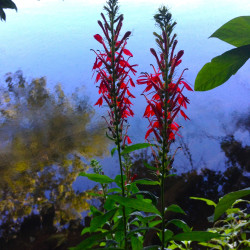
{"type": "Point", "coordinates": [44, 136]}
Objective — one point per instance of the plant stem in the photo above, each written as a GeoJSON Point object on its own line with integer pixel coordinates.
{"type": "Point", "coordinates": [118, 137]}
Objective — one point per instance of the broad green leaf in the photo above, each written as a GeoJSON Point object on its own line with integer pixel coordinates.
{"type": "Point", "coordinates": [103, 179]}
{"type": "Point", "coordinates": [134, 147]}
{"type": "Point", "coordinates": [99, 221]}
{"type": "Point", "coordinates": [6, 4]}
{"type": "Point", "coordinates": [196, 236]}
{"type": "Point", "coordinates": [109, 204]}
{"type": "Point", "coordinates": [113, 151]}
{"type": "Point", "coordinates": [90, 241]}
{"type": "Point", "coordinates": [174, 208]}
{"type": "Point", "coordinates": [235, 32]}
{"type": "Point", "coordinates": [146, 182]}
{"type": "Point", "coordinates": [181, 224]}
{"type": "Point", "coordinates": [221, 68]}
{"type": "Point", "coordinates": [226, 201]}
{"type": "Point", "coordinates": [136, 243]}
{"type": "Point", "coordinates": [136, 204]}
{"type": "Point", "coordinates": [167, 235]}
{"type": "Point", "coordinates": [209, 202]}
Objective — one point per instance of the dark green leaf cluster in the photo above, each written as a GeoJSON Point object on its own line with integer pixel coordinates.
{"type": "Point", "coordinates": [6, 4]}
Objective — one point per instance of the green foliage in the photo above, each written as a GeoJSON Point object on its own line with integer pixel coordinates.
{"type": "Point", "coordinates": [174, 208]}
{"type": "Point", "coordinates": [140, 205]}
{"type": "Point", "coordinates": [196, 236]}
{"type": "Point", "coordinates": [221, 68]}
{"type": "Point", "coordinates": [135, 147]}
{"type": "Point", "coordinates": [6, 4]}
{"type": "Point", "coordinates": [209, 202]}
{"type": "Point", "coordinates": [234, 227]}
{"type": "Point", "coordinates": [227, 201]}
{"type": "Point", "coordinates": [235, 32]}
{"type": "Point", "coordinates": [103, 179]}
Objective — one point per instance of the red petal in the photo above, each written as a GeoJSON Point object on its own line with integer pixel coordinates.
{"type": "Point", "coordinates": [186, 85]}
{"type": "Point", "coordinates": [129, 94]}
{"type": "Point", "coordinates": [98, 38]}
{"type": "Point", "coordinates": [99, 102]}
{"type": "Point", "coordinates": [131, 82]}
{"type": "Point", "coordinates": [184, 115]}
{"type": "Point", "coordinates": [148, 133]}
{"type": "Point", "coordinates": [97, 77]}
{"type": "Point", "coordinates": [127, 52]}
{"type": "Point", "coordinates": [128, 140]}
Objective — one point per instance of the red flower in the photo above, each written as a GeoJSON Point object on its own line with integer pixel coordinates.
{"type": "Point", "coordinates": [159, 94]}
{"type": "Point", "coordinates": [113, 78]}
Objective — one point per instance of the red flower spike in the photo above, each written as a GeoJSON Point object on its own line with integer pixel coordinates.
{"type": "Point", "coordinates": [106, 68]}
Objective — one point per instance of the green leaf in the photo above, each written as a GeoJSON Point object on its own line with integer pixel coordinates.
{"type": "Point", "coordinates": [95, 211]}
{"type": "Point", "coordinates": [146, 182]}
{"type": "Point", "coordinates": [113, 151]}
{"type": "Point", "coordinates": [149, 167]}
{"type": "Point", "coordinates": [85, 230]}
{"type": "Point", "coordinates": [109, 204]}
{"type": "Point", "coordinates": [111, 190]}
{"type": "Point", "coordinates": [212, 246]}
{"type": "Point", "coordinates": [181, 224]}
{"type": "Point", "coordinates": [235, 32]}
{"type": "Point", "coordinates": [196, 236]}
{"type": "Point", "coordinates": [152, 197]}
{"type": "Point", "coordinates": [209, 202]}
{"type": "Point", "coordinates": [136, 204]}
{"type": "Point", "coordinates": [90, 241]}
{"type": "Point", "coordinates": [118, 180]}
{"type": "Point", "coordinates": [6, 4]}
{"type": "Point", "coordinates": [154, 223]}
{"type": "Point", "coordinates": [167, 235]}
{"type": "Point", "coordinates": [103, 179]}
{"type": "Point", "coordinates": [99, 221]}
{"type": "Point", "coordinates": [136, 243]}
{"type": "Point", "coordinates": [221, 68]}
{"type": "Point", "coordinates": [226, 201]}
{"type": "Point", "coordinates": [174, 208]}
{"type": "Point", "coordinates": [134, 147]}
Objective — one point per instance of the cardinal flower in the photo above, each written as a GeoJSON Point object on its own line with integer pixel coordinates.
{"type": "Point", "coordinates": [164, 93]}
{"type": "Point", "coordinates": [113, 74]}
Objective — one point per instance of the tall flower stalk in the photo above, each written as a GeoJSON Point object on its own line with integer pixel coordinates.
{"type": "Point", "coordinates": [165, 99]}
{"type": "Point", "coordinates": [113, 72]}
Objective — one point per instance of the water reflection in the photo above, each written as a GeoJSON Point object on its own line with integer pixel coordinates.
{"type": "Point", "coordinates": [44, 138]}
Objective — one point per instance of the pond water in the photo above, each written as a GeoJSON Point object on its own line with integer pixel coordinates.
{"type": "Point", "coordinates": [53, 39]}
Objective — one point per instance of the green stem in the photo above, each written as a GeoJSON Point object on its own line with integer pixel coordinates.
{"type": "Point", "coordinates": [118, 137]}
{"type": "Point", "coordinates": [164, 144]}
